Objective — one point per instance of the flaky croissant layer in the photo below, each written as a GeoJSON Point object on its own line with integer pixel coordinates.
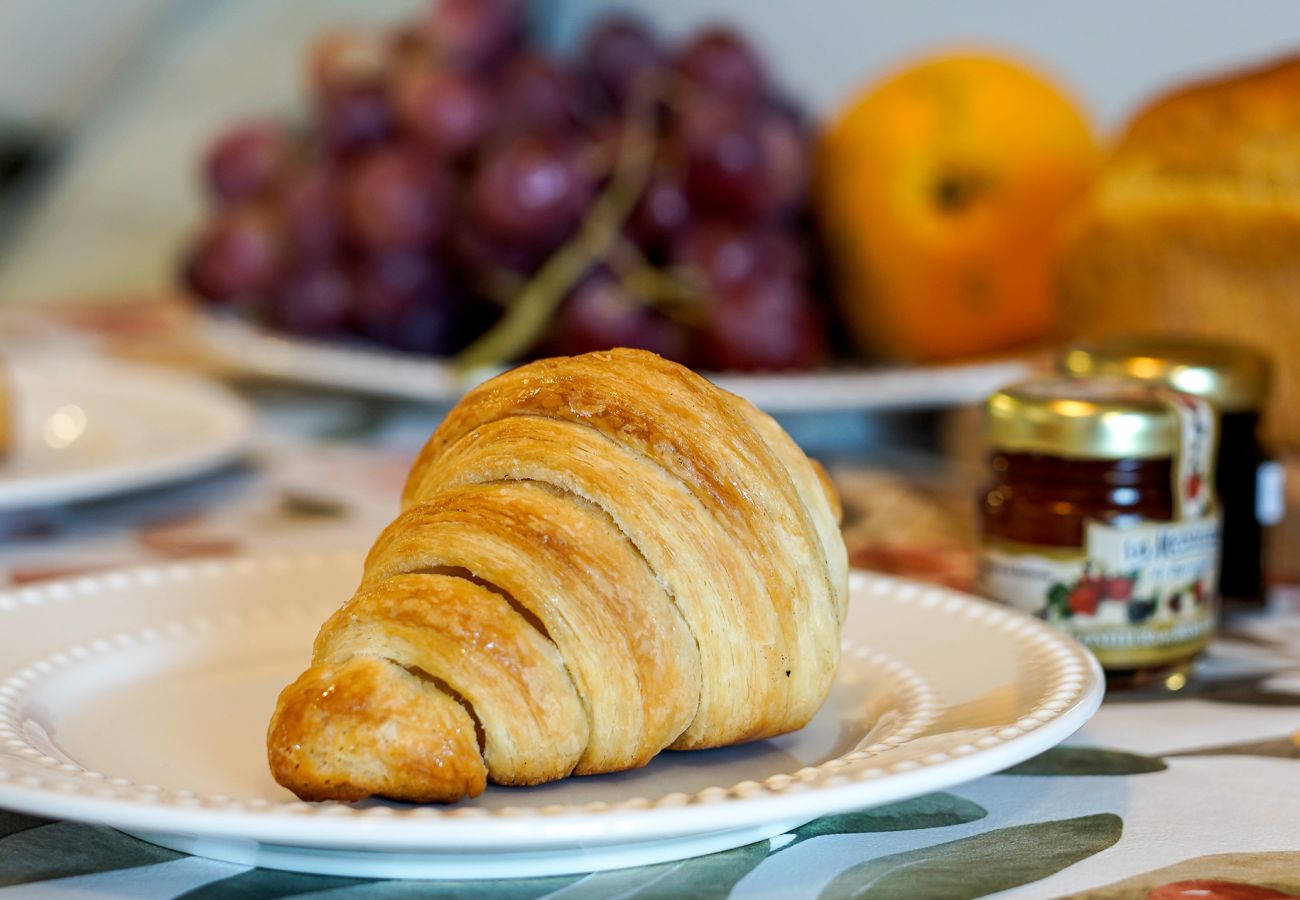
{"type": "Point", "coordinates": [598, 557]}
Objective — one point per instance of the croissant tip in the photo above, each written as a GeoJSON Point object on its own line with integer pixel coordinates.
{"type": "Point", "coordinates": [369, 728]}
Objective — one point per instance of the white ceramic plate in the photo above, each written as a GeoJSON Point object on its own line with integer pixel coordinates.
{"type": "Point", "coordinates": [140, 700]}
{"type": "Point", "coordinates": [86, 428]}
{"type": "Point", "coordinates": [389, 373]}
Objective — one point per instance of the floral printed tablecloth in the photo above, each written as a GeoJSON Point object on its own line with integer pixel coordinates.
{"type": "Point", "coordinates": [1195, 796]}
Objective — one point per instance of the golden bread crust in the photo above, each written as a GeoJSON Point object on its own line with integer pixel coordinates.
{"type": "Point", "coordinates": [1193, 224]}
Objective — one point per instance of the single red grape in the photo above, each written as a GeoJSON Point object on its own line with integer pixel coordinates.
{"type": "Point", "coordinates": [476, 35]}
{"type": "Point", "coordinates": [386, 282]}
{"type": "Point", "coordinates": [391, 288]}
{"type": "Point", "coordinates": [438, 326]}
{"type": "Point", "coordinates": [725, 159]}
{"type": "Point", "coordinates": [478, 253]}
{"type": "Point", "coordinates": [407, 301]}
{"type": "Point", "coordinates": [787, 162]}
{"type": "Point", "coordinates": [621, 53]}
{"type": "Point", "coordinates": [721, 63]}
{"type": "Point", "coordinates": [538, 96]}
{"type": "Point", "coordinates": [238, 254]}
{"type": "Point", "coordinates": [314, 300]}
{"type": "Point", "coordinates": [530, 191]}
{"type": "Point", "coordinates": [600, 314]}
{"type": "Point", "coordinates": [395, 200]}
{"type": "Point", "coordinates": [725, 256]}
{"type": "Point", "coordinates": [444, 110]}
{"type": "Point", "coordinates": [246, 160]}
{"type": "Point", "coordinates": [763, 324]}
{"type": "Point", "coordinates": [308, 205]}
{"type": "Point", "coordinates": [662, 213]}
{"type": "Point", "coordinates": [354, 117]}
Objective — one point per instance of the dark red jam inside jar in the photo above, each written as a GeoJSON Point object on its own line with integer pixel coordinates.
{"type": "Point", "coordinates": [1037, 499]}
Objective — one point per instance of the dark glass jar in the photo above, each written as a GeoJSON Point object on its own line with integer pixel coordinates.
{"type": "Point", "coordinates": [1241, 466]}
{"type": "Point", "coordinates": [1236, 381]}
{"type": "Point", "coordinates": [1099, 516]}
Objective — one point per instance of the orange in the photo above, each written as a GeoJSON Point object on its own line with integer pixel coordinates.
{"type": "Point", "coordinates": [942, 192]}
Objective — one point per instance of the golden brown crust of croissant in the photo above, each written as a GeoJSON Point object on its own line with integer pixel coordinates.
{"type": "Point", "coordinates": [598, 558]}
{"type": "Point", "coordinates": [330, 723]}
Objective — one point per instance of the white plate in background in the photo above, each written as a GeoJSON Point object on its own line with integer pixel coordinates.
{"type": "Point", "coordinates": [390, 373]}
{"type": "Point", "coordinates": [85, 428]}
{"type": "Point", "coordinates": [139, 699]}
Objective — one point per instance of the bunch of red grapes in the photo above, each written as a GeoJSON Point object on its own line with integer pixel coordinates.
{"type": "Point", "coordinates": [447, 161]}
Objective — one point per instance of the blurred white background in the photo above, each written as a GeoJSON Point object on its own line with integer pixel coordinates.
{"type": "Point", "coordinates": [139, 86]}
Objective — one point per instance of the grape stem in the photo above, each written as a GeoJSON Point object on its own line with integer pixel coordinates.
{"type": "Point", "coordinates": [499, 285]}
{"type": "Point", "coordinates": [654, 287]}
{"type": "Point", "coordinates": [526, 319]}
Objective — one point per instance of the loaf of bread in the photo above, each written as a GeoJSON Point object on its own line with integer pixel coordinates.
{"type": "Point", "coordinates": [1194, 225]}
{"type": "Point", "coordinates": [598, 557]}
{"type": "Point", "coordinates": [6, 412]}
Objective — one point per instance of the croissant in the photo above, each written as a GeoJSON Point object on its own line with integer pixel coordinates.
{"type": "Point", "coordinates": [598, 557]}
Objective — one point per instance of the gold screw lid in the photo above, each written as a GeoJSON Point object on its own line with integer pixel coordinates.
{"type": "Point", "coordinates": [1232, 377]}
{"type": "Point", "coordinates": [1084, 418]}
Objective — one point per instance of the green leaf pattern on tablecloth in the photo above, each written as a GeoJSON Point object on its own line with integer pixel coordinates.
{"type": "Point", "coordinates": [34, 849]}
{"type": "Point", "coordinates": [1279, 748]}
{"type": "Point", "coordinates": [930, 811]}
{"type": "Point", "coordinates": [303, 887]}
{"type": "Point", "coordinates": [984, 864]}
{"type": "Point", "coordinates": [1087, 761]}
{"type": "Point", "coordinates": [713, 877]}
{"type": "Point", "coordinates": [65, 849]}
{"type": "Point", "coordinates": [520, 889]}
{"type": "Point", "coordinates": [12, 822]}
{"type": "Point", "coordinates": [1251, 691]}
{"type": "Point", "coordinates": [703, 878]}
{"type": "Point", "coordinates": [268, 884]}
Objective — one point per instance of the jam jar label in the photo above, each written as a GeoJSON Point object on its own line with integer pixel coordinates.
{"type": "Point", "coordinates": [1136, 596]}
{"type": "Point", "coordinates": [1194, 466]}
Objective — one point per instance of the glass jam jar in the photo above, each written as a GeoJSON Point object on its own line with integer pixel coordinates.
{"type": "Point", "coordinates": [1236, 381]}
{"type": "Point", "coordinates": [1100, 517]}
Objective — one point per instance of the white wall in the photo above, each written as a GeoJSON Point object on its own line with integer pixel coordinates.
{"type": "Point", "coordinates": [126, 197]}
{"type": "Point", "coordinates": [52, 53]}
{"type": "Point", "coordinates": [1112, 53]}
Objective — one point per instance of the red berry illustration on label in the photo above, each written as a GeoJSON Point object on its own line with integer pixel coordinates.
{"type": "Point", "coordinates": [1085, 597]}
{"type": "Point", "coordinates": [1119, 588]}
{"type": "Point", "coordinates": [1194, 485]}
